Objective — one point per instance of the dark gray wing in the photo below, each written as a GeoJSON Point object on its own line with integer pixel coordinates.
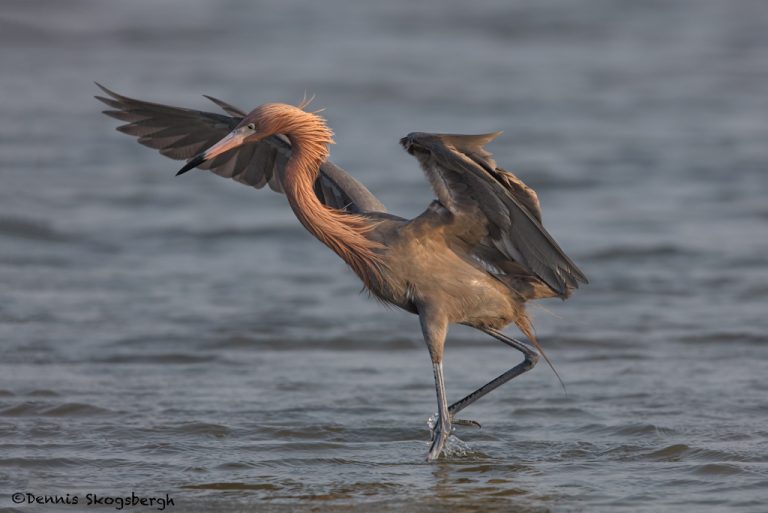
{"type": "Point", "coordinates": [183, 133]}
{"type": "Point", "coordinates": [468, 183]}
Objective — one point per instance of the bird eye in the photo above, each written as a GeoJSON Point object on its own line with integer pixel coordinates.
{"type": "Point", "coordinates": [251, 126]}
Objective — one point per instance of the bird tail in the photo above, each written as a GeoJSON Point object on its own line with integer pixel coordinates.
{"type": "Point", "coordinates": [524, 323]}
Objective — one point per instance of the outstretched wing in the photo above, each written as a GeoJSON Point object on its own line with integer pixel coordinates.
{"type": "Point", "coordinates": [468, 183]}
{"type": "Point", "coordinates": [183, 133]}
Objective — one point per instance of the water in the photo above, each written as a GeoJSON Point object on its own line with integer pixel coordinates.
{"type": "Point", "coordinates": [186, 337]}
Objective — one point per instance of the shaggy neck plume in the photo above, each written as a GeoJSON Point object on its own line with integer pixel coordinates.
{"type": "Point", "coordinates": [344, 233]}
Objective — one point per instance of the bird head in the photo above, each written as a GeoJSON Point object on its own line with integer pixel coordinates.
{"type": "Point", "coordinates": [264, 121]}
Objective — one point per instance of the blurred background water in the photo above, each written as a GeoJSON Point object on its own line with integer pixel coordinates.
{"type": "Point", "coordinates": [186, 336]}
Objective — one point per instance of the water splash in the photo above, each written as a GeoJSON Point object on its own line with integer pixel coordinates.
{"type": "Point", "coordinates": [454, 446]}
{"type": "Point", "coordinates": [432, 422]}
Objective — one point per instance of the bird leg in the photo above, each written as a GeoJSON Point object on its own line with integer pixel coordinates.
{"type": "Point", "coordinates": [434, 327]}
{"type": "Point", "coordinates": [442, 429]}
{"type": "Point", "coordinates": [531, 358]}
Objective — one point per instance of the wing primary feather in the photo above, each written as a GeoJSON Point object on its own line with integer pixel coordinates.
{"type": "Point", "coordinates": [181, 133]}
{"type": "Point", "coordinates": [226, 107]}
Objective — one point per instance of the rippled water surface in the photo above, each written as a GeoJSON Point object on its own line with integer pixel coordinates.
{"type": "Point", "coordinates": [187, 337]}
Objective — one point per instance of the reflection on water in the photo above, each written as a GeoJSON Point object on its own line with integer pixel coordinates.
{"type": "Point", "coordinates": [186, 336]}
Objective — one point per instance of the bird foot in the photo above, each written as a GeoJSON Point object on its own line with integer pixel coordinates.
{"type": "Point", "coordinates": [441, 431]}
{"type": "Point", "coordinates": [433, 421]}
{"type": "Point", "coordinates": [462, 422]}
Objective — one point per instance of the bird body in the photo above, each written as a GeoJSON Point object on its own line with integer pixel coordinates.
{"type": "Point", "coordinates": [475, 256]}
{"type": "Point", "coordinates": [428, 265]}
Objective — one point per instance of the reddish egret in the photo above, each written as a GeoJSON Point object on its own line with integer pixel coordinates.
{"type": "Point", "coordinates": [473, 257]}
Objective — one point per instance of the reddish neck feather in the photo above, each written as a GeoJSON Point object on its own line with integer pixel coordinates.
{"type": "Point", "coordinates": [344, 233]}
